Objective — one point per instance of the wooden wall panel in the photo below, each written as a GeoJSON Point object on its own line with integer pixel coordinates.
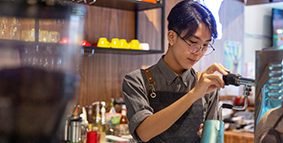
{"type": "Point", "coordinates": [149, 26]}
{"type": "Point", "coordinates": [109, 23]}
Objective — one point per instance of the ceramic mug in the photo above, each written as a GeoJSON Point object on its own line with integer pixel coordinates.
{"type": "Point", "coordinates": [115, 43]}
{"type": "Point", "coordinates": [135, 45]}
{"type": "Point", "coordinates": [93, 137]}
{"type": "Point", "coordinates": [102, 42]}
{"type": "Point", "coordinates": [124, 44]}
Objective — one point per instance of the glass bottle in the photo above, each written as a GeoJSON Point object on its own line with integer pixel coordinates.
{"type": "Point", "coordinates": [124, 119]}
{"type": "Point", "coordinates": [15, 29]}
{"type": "Point", "coordinates": [3, 28]}
{"type": "Point", "coordinates": [112, 109]}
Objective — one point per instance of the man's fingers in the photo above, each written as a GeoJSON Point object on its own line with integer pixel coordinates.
{"type": "Point", "coordinates": [227, 70]}
{"type": "Point", "coordinates": [199, 133]}
{"type": "Point", "coordinates": [216, 67]}
{"type": "Point", "coordinates": [200, 126]}
{"type": "Point", "coordinates": [215, 79]}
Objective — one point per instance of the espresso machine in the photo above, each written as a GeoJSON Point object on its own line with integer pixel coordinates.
{"type": "Point", "coordinates": [268, 81]}
{"type": "Point", "coordinates": [39, 57]}
{"type": "Point", "coordinates": [213, 130]}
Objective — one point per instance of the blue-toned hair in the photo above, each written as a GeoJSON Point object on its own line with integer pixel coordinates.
{"type": "Point", "coordinates": [187, 15]}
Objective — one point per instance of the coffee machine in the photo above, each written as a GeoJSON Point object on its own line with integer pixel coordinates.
{"type": "Point", "coordinates": [39, 57]}
{"type": "Point", "coordinates": [213, 130]}
{"type": "Point", "coordinates": [268, 81]}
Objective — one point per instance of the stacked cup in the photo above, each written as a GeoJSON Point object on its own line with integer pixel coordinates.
{"type": "Point", "coordinates": [119, 44]}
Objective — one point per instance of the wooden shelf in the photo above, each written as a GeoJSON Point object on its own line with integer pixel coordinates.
{"type": "Point", "coordinates": [20, 8]}
{"type": "Point", "coordinates": [92, 50]}
{"type": "Point", "coordinates": [227, 97]}
{"type": "Point", "coordinates": [85, 50]}
{"type": "Point", "coordinates": [58, 11]}
{"type": "Point", "coordinates": [131, 5]}
{"type": "Point", "coordinates": [239, 137]}
{"type": "Point", "coordinates": [20, 44]}
{"type": "Point", "coordinates": [136, 6]}
{"type": "Point", "coordinates": [252, 108]}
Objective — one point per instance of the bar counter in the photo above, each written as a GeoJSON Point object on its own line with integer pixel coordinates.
{"type": "Point", "coordinates": [238, 137]}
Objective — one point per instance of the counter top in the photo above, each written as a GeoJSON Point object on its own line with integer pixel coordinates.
{"type": "Point", "coordinates": [238, 137]}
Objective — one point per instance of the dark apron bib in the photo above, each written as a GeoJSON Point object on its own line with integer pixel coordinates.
{"type": "Point", "coordinates": [274, 136]}
{"type": "Point", "coordinates": [185, 129]}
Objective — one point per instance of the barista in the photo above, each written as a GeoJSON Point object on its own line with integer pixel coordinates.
{"type": "Point", "coordinates": [167, 102]}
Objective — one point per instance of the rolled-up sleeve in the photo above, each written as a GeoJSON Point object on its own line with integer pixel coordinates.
{"type": "Point", "coordinates": [136, 100]}
{"type": "Point", "coordinates": [212, 107]}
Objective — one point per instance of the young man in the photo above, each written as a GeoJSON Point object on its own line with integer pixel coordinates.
{"type": "Point", "coordinates": [167, 102]}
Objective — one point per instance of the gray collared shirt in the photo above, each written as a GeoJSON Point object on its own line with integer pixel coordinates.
{"type": "Point", "coordinates": [136, 90]}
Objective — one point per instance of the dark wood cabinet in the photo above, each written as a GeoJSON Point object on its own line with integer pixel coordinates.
{"type": "Point", "coordinates": [138, 27]}
{"type": "Point", "coordinates": [254, 2]}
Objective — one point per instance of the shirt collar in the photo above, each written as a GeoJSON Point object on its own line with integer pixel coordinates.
{"type": "Point", "coordinates": [170, 75]}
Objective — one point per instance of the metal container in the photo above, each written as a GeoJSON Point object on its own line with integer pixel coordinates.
{"type": "Point", "coordinates": [75, 130]}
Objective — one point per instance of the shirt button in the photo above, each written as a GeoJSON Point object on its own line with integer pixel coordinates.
{"type": "Point", "coordinates": [178, 79]}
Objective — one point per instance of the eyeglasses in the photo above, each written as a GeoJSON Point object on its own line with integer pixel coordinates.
{"type": "Point", "coordinates": [194, 48]}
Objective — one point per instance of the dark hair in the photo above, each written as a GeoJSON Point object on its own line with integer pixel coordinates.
{"type": "Point", "coordinates": [187, 15]}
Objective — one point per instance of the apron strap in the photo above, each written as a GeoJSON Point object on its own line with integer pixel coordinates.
{"type": "Point", "coordinates": [149, 76]}
{"type": "Point", "coordinates": [151, 83]}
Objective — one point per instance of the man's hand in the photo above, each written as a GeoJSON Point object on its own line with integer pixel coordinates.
{"type": "Point", "coordinates": [200, 130]}
{"type": "Point", "coordinates": [209, 80]}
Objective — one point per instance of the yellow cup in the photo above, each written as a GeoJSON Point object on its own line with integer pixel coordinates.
{"type": "Point", "coordinates": [115, 43]}
{"type": "Point", "coordinates": [102, 42]}
{"type": "Point", "coordinates": [135, 45]}
{"type": "Point", "coordinates": [124, 44]}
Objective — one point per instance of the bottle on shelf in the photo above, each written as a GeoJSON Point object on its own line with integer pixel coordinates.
{"type": "Point", "coordinates": [103, 110]}
{"type": "Point", "coordinates": [77, 110]}
{"type": "Point", "coordinates": [3, 28]}
{"type": "Point", "coordinates": [89, 113]}
{"type": "Point", "coordinates": [97, 112]}
{"type": "Point", "coordinates": [15, 29]}
{"type": "Point", "coordinates": [122, 129]}
{"type": "Point", "coordinates": [102, 123]}
{"type": "Point", "coordinates": [112, 109]}
{"type": "Point", "coordinates": [124, 119]}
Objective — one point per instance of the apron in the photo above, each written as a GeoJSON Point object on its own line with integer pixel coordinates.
{"type": "Point", "coordinates": [185, 129]}
{"type": "Point", "coordinates": [274, 136]}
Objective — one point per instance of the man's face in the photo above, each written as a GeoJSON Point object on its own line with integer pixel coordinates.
{"type": "Point", "coordinates": [183, 57]}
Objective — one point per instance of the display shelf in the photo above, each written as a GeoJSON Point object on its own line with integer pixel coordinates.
{"type": "Point", "coordinates": [85, 49]}
{"type": "Point", "coordinates": [136, 6]}
{"type": "Point", "coordinates": [19, 44]}
{"type": "Point", "coordinates": [131, 5]}
{"type": "Point", "coordinates": [20, 8]}
{"type": "Point", "coordinates": [93, 50]}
